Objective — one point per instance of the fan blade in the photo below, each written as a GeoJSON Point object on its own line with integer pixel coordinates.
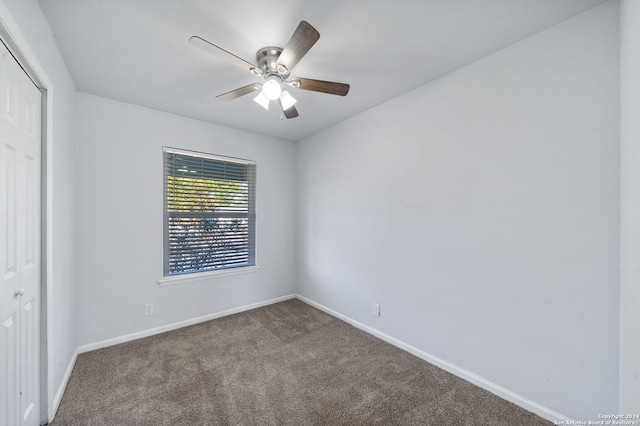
{"type": "Point", "coordinates": [291, 112]}
{"type": "Point", "coordinates": [301, 41]}
{"type": "Point", "coordinates": [330, 87]}
{"type": "Point", "coordinates": [223, 54]}
{"type": "Point", "coordinates": [244, 90]}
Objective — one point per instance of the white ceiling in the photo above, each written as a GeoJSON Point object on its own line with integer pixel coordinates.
{"type": "Point", "coordinates": [136, 51]}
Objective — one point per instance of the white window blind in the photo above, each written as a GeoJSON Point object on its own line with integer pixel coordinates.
{"type": "Point", "coordinates": [209, 212]}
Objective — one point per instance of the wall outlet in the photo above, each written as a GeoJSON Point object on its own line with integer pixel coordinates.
{"type": "Point", "coordinates": [148, 309]}
{"type": "Point", "coordinates": [375, 310]}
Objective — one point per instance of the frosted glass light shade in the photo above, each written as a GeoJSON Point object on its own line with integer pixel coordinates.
{"type": "Point", "coordinates": [262, 100]}
{"type": "Point", "coordinates": [286, 100]}
{"type": "Point", "coordinates": [271, 89]}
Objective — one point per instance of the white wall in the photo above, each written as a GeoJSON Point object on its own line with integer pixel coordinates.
{"type": "Point", "coordinates": [28, 26]}
{"type": "Point", "coordinates": [630, 208]}
{"type": "Point", "coordinates": [119, 226]}
{"type": "Point", "coordinates": [482, 212]}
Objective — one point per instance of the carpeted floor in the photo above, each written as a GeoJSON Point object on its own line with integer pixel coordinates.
{"type": "Point", "coordinates": [283, 364]}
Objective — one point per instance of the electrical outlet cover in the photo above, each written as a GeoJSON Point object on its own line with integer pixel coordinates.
{"type": "Point", "coordinates": [376, 310]}
{"type": "Point", "coordinates": [148, 309]}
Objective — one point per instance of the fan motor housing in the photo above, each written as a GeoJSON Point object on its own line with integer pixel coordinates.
{"type": "Point", "coordinates": [267, 59]}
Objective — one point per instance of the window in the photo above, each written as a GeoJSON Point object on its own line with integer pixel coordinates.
{"type": "Point", "coordinates": [209, 212]}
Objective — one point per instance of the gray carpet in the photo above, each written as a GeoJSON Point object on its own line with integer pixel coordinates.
{"type": "Point", "coordinates": [283, 364]}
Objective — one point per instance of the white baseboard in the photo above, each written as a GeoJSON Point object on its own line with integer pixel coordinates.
{"type": "Point", "coordinates": [53, 409]}
{"type": "Point", "coordinates": [477, 380]}
{"type": "Point", "coordinates": [152, 331]}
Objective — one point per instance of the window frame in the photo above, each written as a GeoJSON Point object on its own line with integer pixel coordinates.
{"type": "Point", "coordinates": [251, 215]}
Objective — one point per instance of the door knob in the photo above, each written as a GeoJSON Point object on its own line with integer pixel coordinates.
{"type": "Point", "coordinates": [18, 293]}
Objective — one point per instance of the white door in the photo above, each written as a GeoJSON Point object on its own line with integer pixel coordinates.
{"type": "Point", "coordinates": [19, 245]}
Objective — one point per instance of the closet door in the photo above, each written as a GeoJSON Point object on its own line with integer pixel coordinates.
{"type": "Point", "coordinates": [20, 236]}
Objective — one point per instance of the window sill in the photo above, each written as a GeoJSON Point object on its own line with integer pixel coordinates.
{"type": "Point", "coordinates": [199, 276]}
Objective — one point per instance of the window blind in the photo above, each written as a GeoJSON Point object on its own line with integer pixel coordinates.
{"type": "Point", "coordinates": [209, 212]}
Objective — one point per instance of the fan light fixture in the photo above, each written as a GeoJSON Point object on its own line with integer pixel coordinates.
{"type": "Point", "coordinates": [271, 89]}
{"type": "Point", "coordinates": [286, 100]}
{"type": "Point", "coordinates": [262, 100]}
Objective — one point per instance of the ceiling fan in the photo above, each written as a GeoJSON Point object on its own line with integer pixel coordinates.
{"type": "Point", "coordinates": [275, 65]}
